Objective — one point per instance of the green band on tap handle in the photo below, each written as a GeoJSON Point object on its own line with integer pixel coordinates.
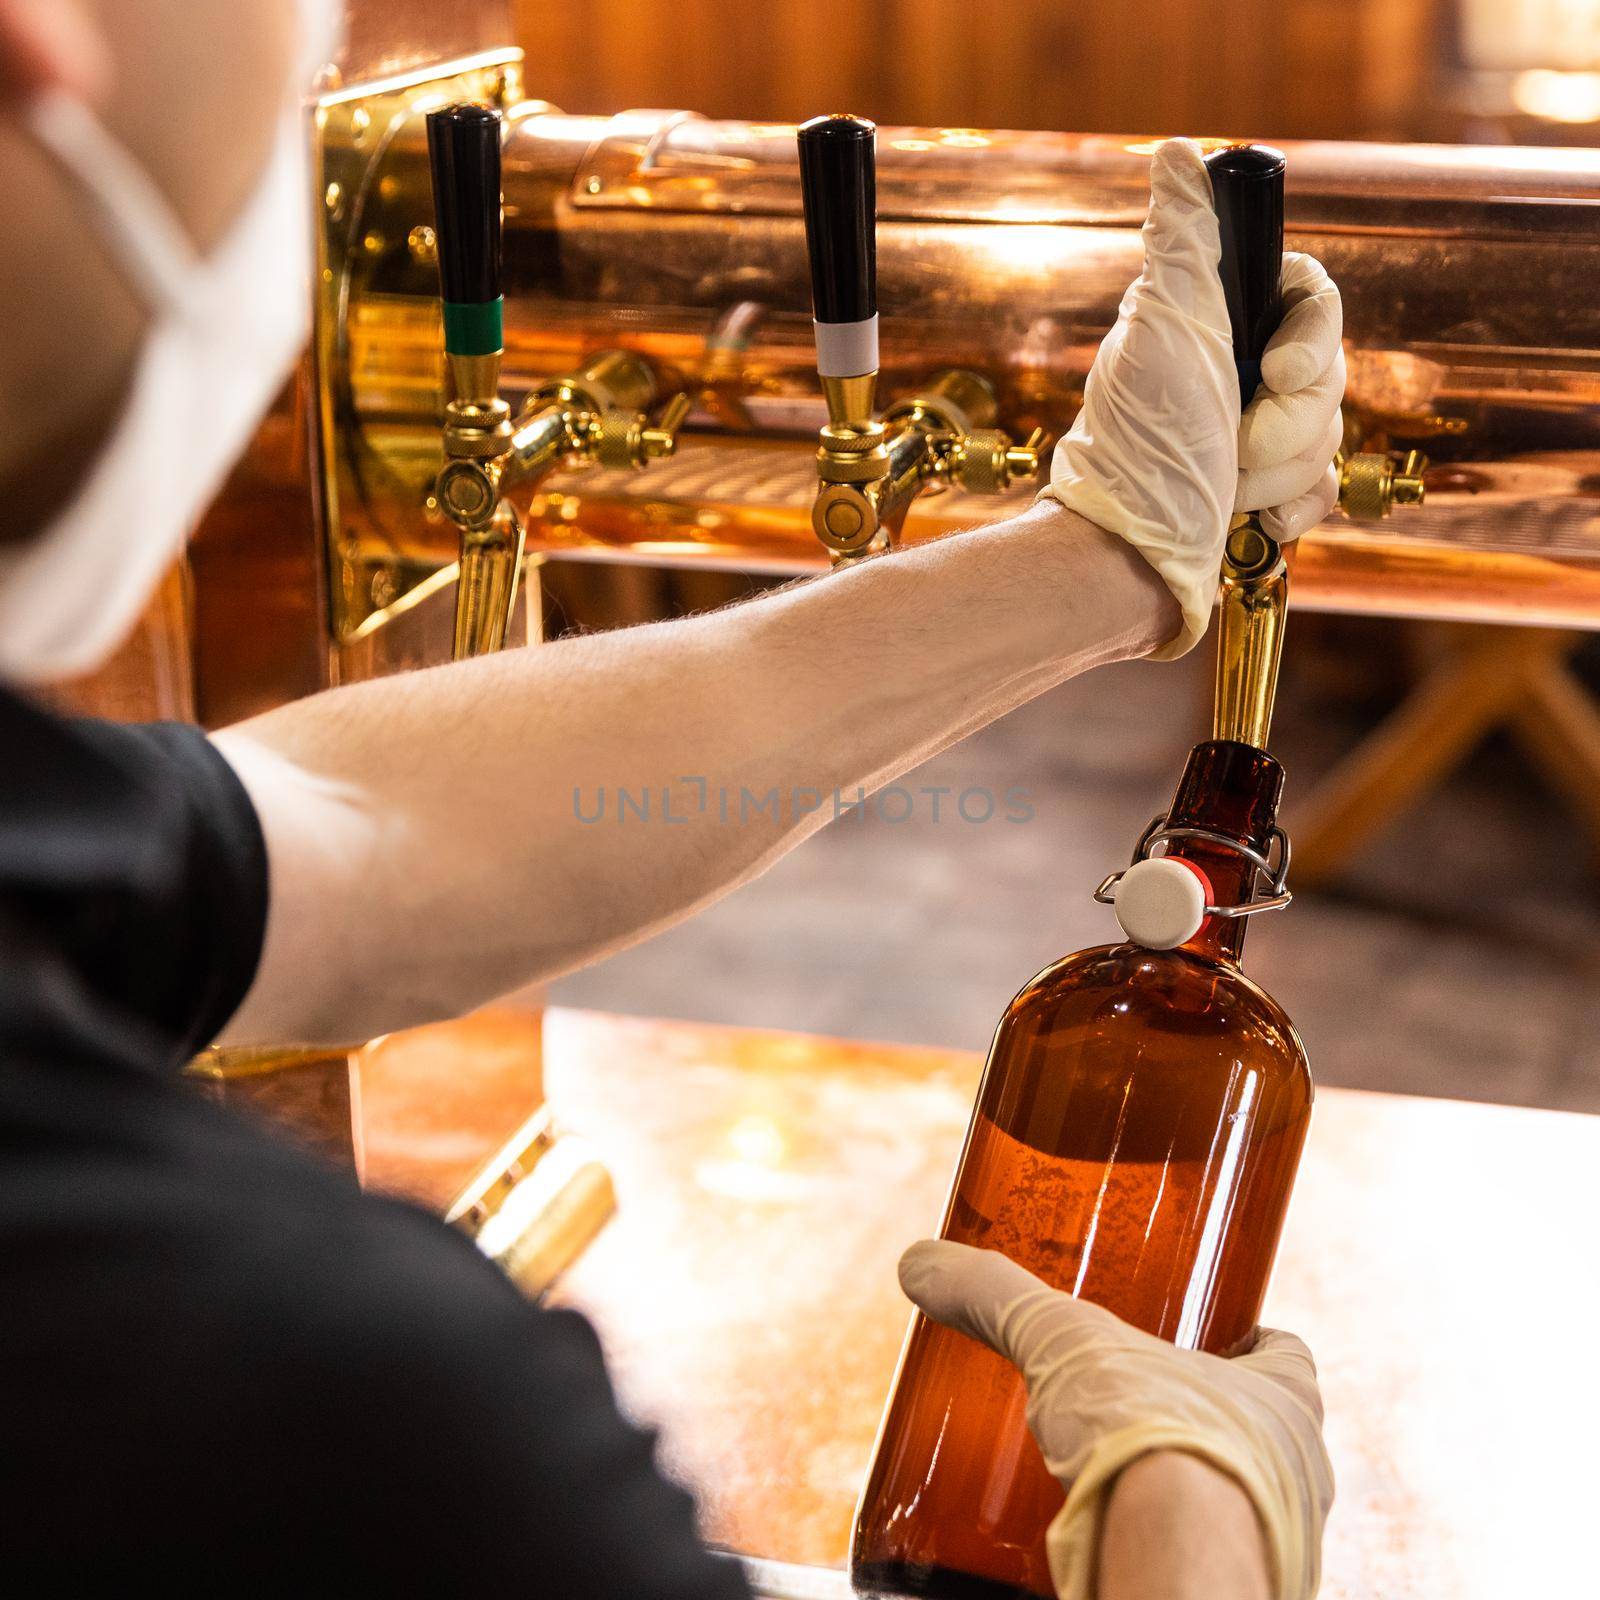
{"type": "Point", "coordinates": [474, 330]}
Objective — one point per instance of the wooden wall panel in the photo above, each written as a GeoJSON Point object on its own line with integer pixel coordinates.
{"type": "Point", "coordinates": [1284, 68]}
{"type": "Point", "coordinates": [388, 36]}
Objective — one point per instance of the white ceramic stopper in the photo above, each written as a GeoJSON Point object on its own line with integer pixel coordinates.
{"type": "Point", "coordinates": [1161, 902]}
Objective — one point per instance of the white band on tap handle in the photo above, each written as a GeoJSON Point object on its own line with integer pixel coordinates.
{"type": "Point", "coordinates": [847, 349]}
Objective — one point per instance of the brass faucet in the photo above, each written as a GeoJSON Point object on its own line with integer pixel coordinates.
{"type": "Point", "coordinates": [596, 415]}
{"type": "Point", "coordinates": [1373, 482]}
{"type": "Point", "coordinates": [1255, 589]}
{"type": "Point", "coordinates": [1247, 190]}
{"type": "Point", "coordinates": [871, 468]}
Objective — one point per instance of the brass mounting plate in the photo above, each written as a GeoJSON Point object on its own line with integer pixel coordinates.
{"type": "Point", "coordinates": [353, 127]}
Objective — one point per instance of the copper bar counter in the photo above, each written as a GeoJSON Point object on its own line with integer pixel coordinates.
{"type": "Point", "coordinates": [1439, 1259]}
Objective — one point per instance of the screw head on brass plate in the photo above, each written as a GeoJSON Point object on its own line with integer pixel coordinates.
{"type": "Point", "coordinates": [843, 519]}
{"type": "Point", "coordinates": [466, 493]}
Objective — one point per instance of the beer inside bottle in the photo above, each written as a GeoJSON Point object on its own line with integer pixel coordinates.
{"type": "Point", "coordinates": [1135, 1139]}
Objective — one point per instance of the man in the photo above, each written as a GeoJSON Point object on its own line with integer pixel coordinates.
{"type": "Point", "coordinates": [221, 1365]}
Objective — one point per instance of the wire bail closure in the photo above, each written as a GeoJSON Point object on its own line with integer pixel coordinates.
{"type": "Point", "coordinates": [1277, 894]}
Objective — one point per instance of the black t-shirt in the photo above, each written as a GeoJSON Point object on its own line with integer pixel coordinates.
{"type": "Point", "coordinates": [221, 1365]}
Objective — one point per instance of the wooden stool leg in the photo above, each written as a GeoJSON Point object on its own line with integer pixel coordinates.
{"type": "Point", "coordinates": [1558, 724]}
{"type": "Point", "coordinates": [1448, 712]}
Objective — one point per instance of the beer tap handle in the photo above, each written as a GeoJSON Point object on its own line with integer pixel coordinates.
{"type": "Point", "coordinates": [464, 154]}
{"type": "Point", "coordinates": [1247, 191]}
{"type": "Point", "coordinates": [838, 188]}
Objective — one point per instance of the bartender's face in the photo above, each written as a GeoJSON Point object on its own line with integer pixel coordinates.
{"type": "Point", "coordinates": [193, 89]}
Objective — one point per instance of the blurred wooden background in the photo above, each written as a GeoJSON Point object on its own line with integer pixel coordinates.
{"type": "Point", "coordinates": [1337, 69]}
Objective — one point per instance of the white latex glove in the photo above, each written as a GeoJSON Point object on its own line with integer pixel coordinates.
{"type": "Point", "coordinates": [1101, 1394]}
{"type": "Point", "coordinates": [1159, 454]}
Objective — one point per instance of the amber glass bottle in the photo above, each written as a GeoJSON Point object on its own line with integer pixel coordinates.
{"type": "Point", "coordinates": [1134, 1142]}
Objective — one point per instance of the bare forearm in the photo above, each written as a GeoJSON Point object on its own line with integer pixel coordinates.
{"type": "Point", "coordinates": [1176, 1528]}
{"type": "Point", "coordinates": [439, 839]}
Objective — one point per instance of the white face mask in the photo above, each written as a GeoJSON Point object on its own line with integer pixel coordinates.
{"type": "Point", "coordinates": [225, 330]}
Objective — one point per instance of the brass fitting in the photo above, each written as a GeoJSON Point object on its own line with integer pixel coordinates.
{"type": "Point", "coordinates": [853, 469]}
{"type": "Point", "coordinates": [1255, 587]}
{"type": "Point", "coordinates": [623, 439]}
{"type": "Point", "coordinates": [869, 471]}
{"type": "Point", "coordinates": [536, 1204]}
{"type": "Point", "coordinates": [595, 415]}
{"type": "Point", "coordinates": [1372, 483]}
{"type": "Point", "coordinates": [987, 462]}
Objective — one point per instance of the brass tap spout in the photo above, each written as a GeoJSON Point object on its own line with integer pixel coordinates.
{"type": "Point", "coordinates": [1255, 591]}
{"type": "Point", "coordinates": [486, 589]}
{"type": "Point", "coordinates": [869, 477]}
{"type": "Point", "coordinates": [1254, 595]}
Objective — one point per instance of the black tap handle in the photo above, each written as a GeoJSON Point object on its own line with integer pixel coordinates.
{"type": "Point", "coordinates": [1247, 191]}
{"type": "Point", "coordinates": [464, 152]}
{"type": "Point", "coordinates": [838, 185]}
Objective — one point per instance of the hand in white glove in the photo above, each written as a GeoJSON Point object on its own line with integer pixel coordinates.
{"type": "Point", "coordinates": [1101, 1394]}
{"type": "Point", "coordinates": [1159, 455]}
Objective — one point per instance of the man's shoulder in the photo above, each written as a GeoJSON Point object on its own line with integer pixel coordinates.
{"type": "Point", "coordinates": [252, 1344]}
{"type": "Point", "coordinates": [141, 1222]}
{"type": "Point", "coordinates": [384, 1276]}
{"type": "Point", "coordinates": [306, 1252]}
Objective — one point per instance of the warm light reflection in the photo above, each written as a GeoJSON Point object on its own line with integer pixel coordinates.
{"type": "Point", "coordinates": [758, 1139]}
{"type": "Point", "coordinates": [1506, 35]}
{"type": "Point", "coordinates": [964, 138]}
{"type": "Point", "coordinates": [913, 145]}
{"type": "Point", "coordinates": [1208, 143]}
{"type": "Point", "coordinates": [1501, 161]}
{"type": "Point", "coordinates": [532, 1201]}
{"type": "Point", "coordinates": [1029, 246]}
{"type": "Point", "coordinates": [1558, 96]}
{"type": "Point", "coordinates": [752, 1162]}
{"type": "Point", "coordinates": [1197, 1298]}
{"type": "Point", "coordinates": [671, 547]}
